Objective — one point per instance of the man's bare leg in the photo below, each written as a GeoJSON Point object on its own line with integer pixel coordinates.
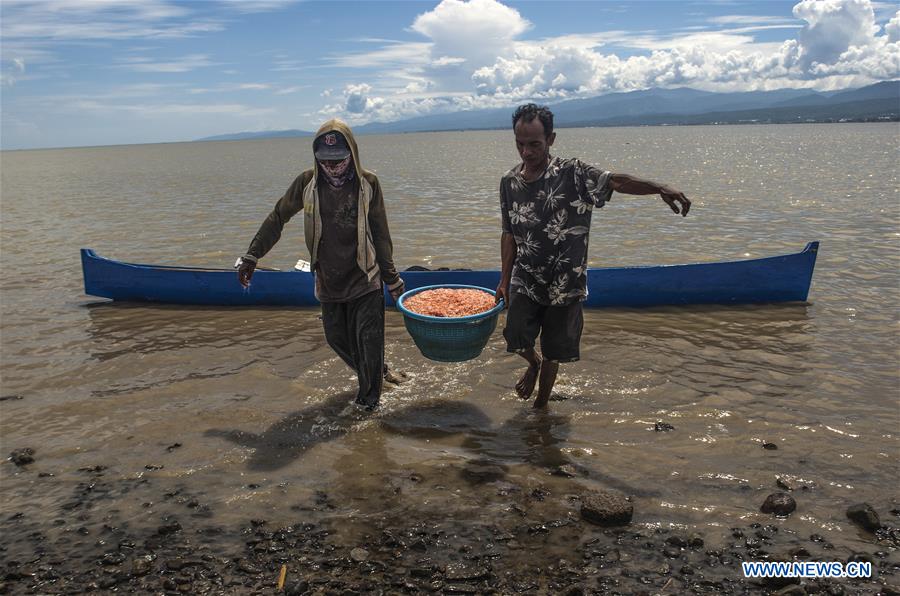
{"type": "Point", "coordinates": [548, 378]}
{"type": "Point", "coordinates": [525, 386]}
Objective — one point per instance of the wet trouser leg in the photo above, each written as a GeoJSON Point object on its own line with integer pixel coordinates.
{"type": "Point", "coordinates": [355, 331]}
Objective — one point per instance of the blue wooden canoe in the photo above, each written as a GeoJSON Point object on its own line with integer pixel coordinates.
{"type": "Point", "coordinates": [784, 278]}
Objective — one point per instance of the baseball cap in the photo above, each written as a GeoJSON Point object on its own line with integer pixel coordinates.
{"type": "Point", "coordinates": [331, 146]}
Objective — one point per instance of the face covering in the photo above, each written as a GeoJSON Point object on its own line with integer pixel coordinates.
{"type": "Point", "coordinates": [340, 173]}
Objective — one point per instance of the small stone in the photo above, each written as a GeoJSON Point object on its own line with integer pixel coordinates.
{"type": "Point", "coordinates": [460, 589]}
{"type": "Point", "coordinates": [781, 504]}
{"type": "Point", "coordinates": [696, 540]}
{"type": "Point", "coordinates": [865, 516]}
{"type": "Point", "coordinates": [247, 567]}
{"type": "Point", "coordinates": [671, 553]}
{"type": "Point", "coordinates": [769, 446]}
{"type": "Point", "coordinates": [662, 427]}
{"type": "Point", "coordinates": [22, 457]}
{"type": "Point", "coordinates": [175, 564]}
{"type": "Point", "coordinates": [296, 588]}
{"type": "Point", "coordinates": [169, 528]}
{"type": "Point", "coordinates": [112, 559]}
{"type": "Point", "coordinates": [359, 554]}
{"type": "Point", "coordinates": [141, 566]}
{"type": "Point", "coordinates": [419, 545]}
{"type": "Point", "coordinates": [606, 508]}
{"type": "Point", "coordinates": [792, 483]}
{"type": "Point", "coordinates": [566, 471]}
{"type": "Point", "coordinates": [677, 541]}
{"type": "Point", "coordinates": [173, 447]}
{"type": "Point", "coordinates": [461, 572]}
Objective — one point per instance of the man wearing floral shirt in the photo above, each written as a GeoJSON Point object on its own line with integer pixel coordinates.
{"type": "Point", "coordinates": [546, 204]}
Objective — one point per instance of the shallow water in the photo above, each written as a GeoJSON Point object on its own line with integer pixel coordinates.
{"type": "Point", "coordinates": [255, 397]}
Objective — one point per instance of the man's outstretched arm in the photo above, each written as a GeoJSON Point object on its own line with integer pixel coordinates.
{"type": "Point", "coordinates": [631, 185]}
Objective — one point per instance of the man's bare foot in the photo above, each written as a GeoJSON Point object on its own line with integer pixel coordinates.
{"type": "Point", "coordinates": [525, 386]}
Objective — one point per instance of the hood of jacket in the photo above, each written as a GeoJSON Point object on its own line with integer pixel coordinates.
{"type": "Point", "coordinates": [338, 125]}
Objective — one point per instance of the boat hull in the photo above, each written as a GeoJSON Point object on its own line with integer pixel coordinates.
{"type": "Point", "coordinates": [784, 278]}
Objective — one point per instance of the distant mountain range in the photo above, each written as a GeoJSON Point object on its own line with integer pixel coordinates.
{"type": "Point", "coordinates": [659, 107]}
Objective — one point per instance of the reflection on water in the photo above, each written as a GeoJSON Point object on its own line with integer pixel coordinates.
{"type": "Point", "coordinates": [123, 329]}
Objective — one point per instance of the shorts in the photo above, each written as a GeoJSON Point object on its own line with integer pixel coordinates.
{"type": "Point", "coordinates": [559, 327]}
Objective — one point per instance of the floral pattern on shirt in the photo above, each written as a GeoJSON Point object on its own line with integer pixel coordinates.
{"type": "Point", "coordinates": [550, 220]}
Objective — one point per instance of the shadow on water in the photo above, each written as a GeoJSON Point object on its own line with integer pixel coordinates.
{"type": "Point", "coordinates": [530, 437]}
{"type": "Point", "coordinates": [290, 437]}
{"type": "Point", "coordinates": [536, 438]}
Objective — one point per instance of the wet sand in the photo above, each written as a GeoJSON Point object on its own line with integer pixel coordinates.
{"type": "Point", "coordinates": [475, 526]}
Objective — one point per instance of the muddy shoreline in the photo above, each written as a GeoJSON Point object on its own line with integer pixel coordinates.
{"type": "Point", "coordinates": [540, 543]}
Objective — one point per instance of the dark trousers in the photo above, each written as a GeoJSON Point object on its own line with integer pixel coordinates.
{"type": "Point", "coordinates": [355, 331]}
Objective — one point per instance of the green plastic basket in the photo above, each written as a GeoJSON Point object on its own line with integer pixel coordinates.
{"type": "Point", "coordinates": [450, 339]}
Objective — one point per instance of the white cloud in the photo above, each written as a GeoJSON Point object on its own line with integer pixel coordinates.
{"type": "Point", "coordinates": [357, 101]}
{"type": "Point", "coordinates": [474, 59]}
{"type": "Point", "coordinates": [393, 55]}
{"type": "Point", "coordinates": [839, 38]}
{"type": "Point", "coordinates": [183, 64]}
{"type": "Point", "coordinates": [749, 20]}
{"type": "Point", "coordinates": [59, 20]}
{"type": "Point", "coordinates": [892, 29]}
{"type": "Point", "coordinates": [465, 36]}
{"type": "Point", "coordinates": [448, 61]}
{"type": "Point", "coordinates": [289, 90]}
{"type": "Point", "coordinates": [251, 6]}
{"type": "Point", "coordinates": [833, 26]}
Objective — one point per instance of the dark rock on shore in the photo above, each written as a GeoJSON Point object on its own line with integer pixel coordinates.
{"type": "Point", "coordinates": [865, 516]}
{"type": "Point", "coordinates": [781, 504]}
{"type": "Point", "coordinates": [661, 427]}
{"type": "Point", "coordinates": [606, 509]}
{"type": "Point", "coordinates": [22, 457]}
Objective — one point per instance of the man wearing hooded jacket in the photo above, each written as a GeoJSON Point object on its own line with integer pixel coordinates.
{"type": "Point", "coordinates": [346, 232]}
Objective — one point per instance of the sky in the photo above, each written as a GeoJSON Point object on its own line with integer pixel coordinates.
{"type": "Point", "coordinates": [108, 72]}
